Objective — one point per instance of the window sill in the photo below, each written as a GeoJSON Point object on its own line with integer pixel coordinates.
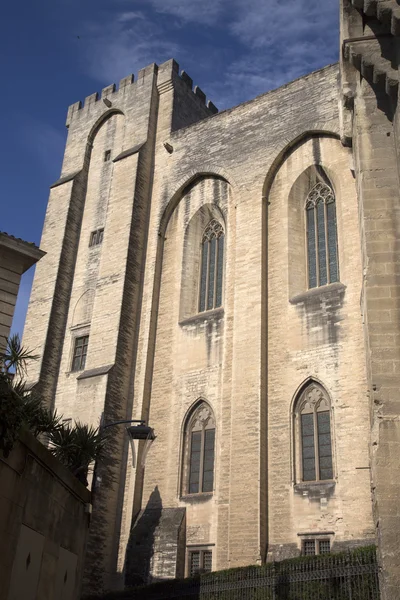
{"type": "Point", "coordinates": [193, 498]}
{"type": "Point", "coordinates": [80, 326]}
{"type": "Point", "coordinates": [75, 373]}
{"type": "Point", "coordinates": [318, 292]}
{"type": "Point", "coordinates": [315, 489]}
{"type": "Point", "coordinates": [208, 315]}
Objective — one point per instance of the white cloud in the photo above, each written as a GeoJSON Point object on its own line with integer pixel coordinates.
{"type": "Point", "coordinates": [268, 22]}
{"type": "Point", "coordinates": [124, 45]}
{"type": "Point", "coordinates": [282, 40]}
{"type": "Point", "coordinates": [198, 11]}
{"type": "Point", "coordinates": [125, 17]}
{"type": "Point", "coordinates": [268, 42]}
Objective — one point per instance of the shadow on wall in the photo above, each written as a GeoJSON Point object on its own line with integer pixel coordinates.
{"type": "Point", "coordinates": [140, 547]}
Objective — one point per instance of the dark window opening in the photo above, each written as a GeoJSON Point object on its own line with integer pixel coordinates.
{"type": "Point", "coordinates": [96, 237]}
{"type": "Point", "coordinates": [309, 547]}
{"type": "Point", "coordinates": [200, 561]}
{"type": "Point", "coordinates": [324, 546]}
{"type": "Point", "coordinates": [201, 470]}
{"type": "Point", "coordinates": [322, 253]}
{"type": "Point", "coordinates": [315, 435]}
{"type": "Point", "coordinates": [107, 155]}
{"type": "Point", "coordinates": [315, 546]}
{"type": "Point", "coordinates": [199, 458]}
{"type": "Point", "coordinates": [80, 352]}
{"type": "Point", "coordinates": [212, 264]}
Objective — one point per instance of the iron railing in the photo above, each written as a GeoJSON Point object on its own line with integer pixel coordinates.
{"type": "Point", "coordinates": [346, 576]}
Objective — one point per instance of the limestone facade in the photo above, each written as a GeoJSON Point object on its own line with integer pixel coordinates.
{"type": "Point", "coordinates": [16, 257]}
{"type": "Point", "coordinates": [147, 168]}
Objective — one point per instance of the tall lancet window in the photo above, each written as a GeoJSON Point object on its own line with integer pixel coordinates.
{"type": "Point", "coordinates": [313, 433]}
{"type": "Point", "coordinates": [212, 265]}
{"type": "Point", "coordinates": [322, 254]}
{"type": "Point", "coordinates": [199, 442]}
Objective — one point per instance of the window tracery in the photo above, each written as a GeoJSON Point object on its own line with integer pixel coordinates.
{"type": "Point", "coordinates": [212, 265]}
{"type": "Point", "coordinates": [199, 451]}
{"type": "Point", "coordinates": [314, 441]}
{"type": "Point", "coordinates": [322, 255]}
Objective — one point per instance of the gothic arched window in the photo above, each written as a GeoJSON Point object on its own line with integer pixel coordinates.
{"type": "Point", "coordinates": [199, 443]}
{"type": "Point", "coordinates": [313, 433]}
{"type": "Point", "coordinates": [322, 254]}
{"type": "Point", "coordinates": [212, 266]}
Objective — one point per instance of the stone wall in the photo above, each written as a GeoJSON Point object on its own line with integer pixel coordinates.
{"type": "Point", "coordinates": [225, 166]}
{"type": "Point", "coordinates": [16, 257]}
{"type": "Point", "coordinates": [324, 342]}
{"type": "Point", "coordinates": [44, 525]}
{"type": "Point", "coordinates": [369, 74]}
{"type": "Point", "coordinates": [175, 165]}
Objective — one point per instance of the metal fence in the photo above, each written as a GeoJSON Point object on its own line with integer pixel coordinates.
{"type": "Point", "coordinates": [346, 576]}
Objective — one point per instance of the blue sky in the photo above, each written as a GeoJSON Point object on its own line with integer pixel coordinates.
{"type": "Point", "coordinates": [55, 52]}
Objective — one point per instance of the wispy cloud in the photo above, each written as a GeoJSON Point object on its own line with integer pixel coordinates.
{"type": "Point", "coordinates": [262, 23]}
{"type": "Point", "coordinates": [237, 48]}
{"type": "Point", "coordinates": [127, 43]}
{"type": "Point", "coordinates": [281, 40]}
{"type": "Point", "coordinates": [205, 12]}
{"type": "Point", "coordinates": [125, 17]}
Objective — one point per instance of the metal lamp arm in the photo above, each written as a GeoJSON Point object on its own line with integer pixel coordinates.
{"type": "Point", "coordinates": [141, 421]}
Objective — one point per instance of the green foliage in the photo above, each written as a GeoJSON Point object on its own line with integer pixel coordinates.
{"type": "Point", "coordinates": [11, 414]}
{"type": "Point", "coordinates": [15, 357]}
{"type": "Point", "coordinates": [76, 447]}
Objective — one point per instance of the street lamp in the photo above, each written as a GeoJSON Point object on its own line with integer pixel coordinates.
{"type": "Point", "coordinates": [141, 431]}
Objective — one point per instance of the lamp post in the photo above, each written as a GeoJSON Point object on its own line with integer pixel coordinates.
{"type": "Point", "coordinates": [139, 431]}
{"type": "Point", "coordinates": [135, 432]}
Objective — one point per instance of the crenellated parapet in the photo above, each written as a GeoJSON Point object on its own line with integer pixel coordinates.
{"type": "Point", "coordinates": [108, 95]}
{"type": "Point", "coordinates": [198, 92]}
{"type": "Point", "coordinates": [167, 77]}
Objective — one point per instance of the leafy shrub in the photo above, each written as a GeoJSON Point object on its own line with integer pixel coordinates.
{"type": "Point", "coordinates": [76, 447]}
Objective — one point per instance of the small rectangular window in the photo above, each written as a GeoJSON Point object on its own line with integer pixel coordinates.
{"type": "Point", "coordinates": [194, 563]}
{"type": "Point", "coordinates": [200, 561]}
{"type": "Point", "coordinates": [312, 547]}
{"type": "Point", "coordinates": [80, 352]}
{"type": "Point", "coordinates": [107, 155]}
{"type": "Point", "coordinates": [96, 237]}
{"type": "Point", "coordinates": [207, 561]}
{"type": "Point", "coordinates": [324, 546]}
{"type": "Point", "coordinates": [309, 547]}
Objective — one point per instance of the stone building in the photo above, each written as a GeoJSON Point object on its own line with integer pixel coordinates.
{"type": "Point", "coordinates": [16, 257]}
{"type": "Point", "coordinates": [232, 278]}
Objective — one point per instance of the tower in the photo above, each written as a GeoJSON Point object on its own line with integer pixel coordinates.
{"type": "Point", "coordinates": [85, 307]}
{"type": "Point", "coordinates": [369, 96]}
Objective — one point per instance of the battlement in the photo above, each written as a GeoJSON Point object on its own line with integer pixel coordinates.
{"type": "Point", "coordinates": [197, 91]}
{"type": "Point", "coordinates": [167, 74]}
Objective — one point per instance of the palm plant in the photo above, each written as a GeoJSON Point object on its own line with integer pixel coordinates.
{"type": "Point", "coordinates": [76, 447]}
{"type": "Point", "coordinates": [15, 358]}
